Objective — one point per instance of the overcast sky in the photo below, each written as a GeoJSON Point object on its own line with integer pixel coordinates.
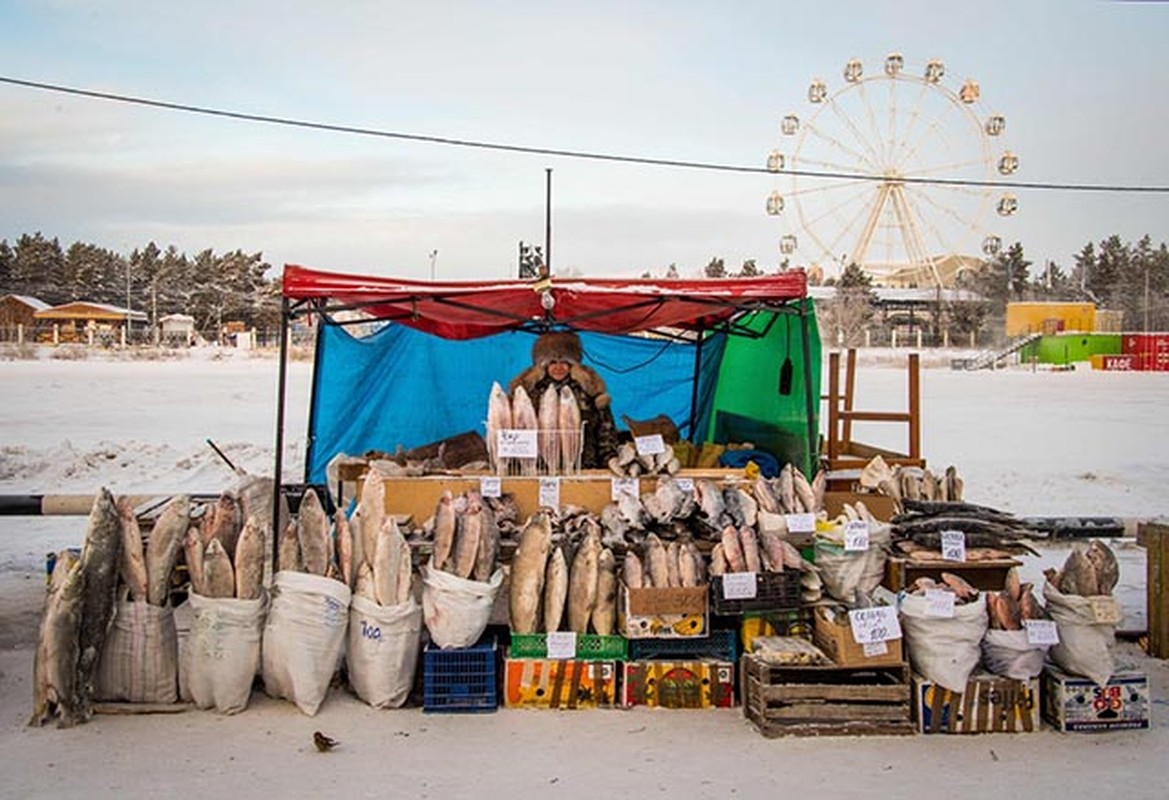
{"type": "Point", "coordinates": [1083, 86]}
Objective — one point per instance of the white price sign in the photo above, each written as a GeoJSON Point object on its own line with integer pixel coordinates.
{"type": "Point", "coordinates": [739, 586]}
{"type": "Point", "coordinates": [1105, 609]}
{"type": "Point", "coordinates": [877, 624]}
{"type": "Point", "coordinates": [939, 603]}
{"type": "Point", "coordinates": [491, 486]}
{"type": "Point", "coordinates": [550, 492]}
{"type": "Point", "coordinates": [516, 443]}
{"type": "Point", "coordinates": [562, 644]}
{"type": "Point", "coordinates": [1041, 631]}
{"type": "Point", "coordinates": [649, 445]}
{"type": "Point", "coordinates": [874, 649]}
{"type": "Point", "coordinates": [953, 545]}
{"type": "Point", "coordinates": [800, 523]}
{"type": "Point", "coordinates": [856, 535]}
{"type": "Point", "coordinates": [685, 484]}
{"type": "Point", "coordinates": [627, 486]}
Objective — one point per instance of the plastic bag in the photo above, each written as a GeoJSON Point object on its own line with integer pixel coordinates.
{"type": "Point", "coordinates": [139, 662]}
{"type": "Point", "coordinates": [456, 610]}
{"type": "Point", "coordinates": [304, 637]}
{"type": "Point", "coordinates": [383, 650]}
{"type": "Point", "coordinates": [944, 650]}
{"type": "Point", "coordinates": [1085, 645]}
{"type": "Point", "coordinates": [222, 652]}
{"type": "Point", "coordinates": [1011, 655]}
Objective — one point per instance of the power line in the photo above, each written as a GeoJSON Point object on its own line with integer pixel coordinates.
{"type": "Point", "coordinates": [550, 151]}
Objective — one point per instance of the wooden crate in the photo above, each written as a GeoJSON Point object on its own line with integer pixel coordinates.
{"type": "Point", "coordinates": [699, 683]}
{"type": "Point", "coordinates": [982, 575]}
{"type": "Point", "coordinates": [990, 704]}
{"type": "Point", "coordinates": [559, 684]}
{"type": "Point", "coordinates": [1154, 536]}
{"type": "Point", "coordinates": [825, 701]}
{"type": "Point", "coordinates": [833, 634]}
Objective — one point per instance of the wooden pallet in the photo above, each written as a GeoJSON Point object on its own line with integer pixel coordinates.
{"type": "Point", "coordinates": [825, 700]}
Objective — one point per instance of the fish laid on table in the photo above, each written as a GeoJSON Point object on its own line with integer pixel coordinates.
{"type": "Point", "coordinates": [527, 573]}
{"type": "Point", "coordinates": [55, 660]}
{"type": "Point", "coordinates": [133, 557]}
{"type": "Point", "coordinates": [100, 556]}
{"type": "Point", "coordinates": [163, 546]}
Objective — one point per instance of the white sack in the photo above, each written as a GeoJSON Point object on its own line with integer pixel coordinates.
{"type": "Point", "coordinates": [456, 610]}
{"type": "Point", "coordinates": [223, 651]}
{"type": "Point", "coordinates": [944, 650]}
{"type": "Point", "coordinates": [184, 616]}
{"type": "Point", "coordinates": [139, 661]}
{"type": "Point", "coordinates": [845, 571]}
{"type": "Point", "coordinates": [1009, 654]}
{"type": "Point", "coordinates": [383, 650]}
{"type": "Point", "coordinates": [304, 637]}
{"type": "Point", "coordinates": [1085, 645]}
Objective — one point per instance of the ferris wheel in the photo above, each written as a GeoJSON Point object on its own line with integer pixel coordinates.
{"type": "Point", "coordinates": [892, 170]}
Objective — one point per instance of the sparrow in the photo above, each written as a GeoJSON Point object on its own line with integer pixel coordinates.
{"type": "Point", "coordinates": [323, 742]}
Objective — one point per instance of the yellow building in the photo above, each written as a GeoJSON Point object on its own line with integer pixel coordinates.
{"type": "Point", "coordinates": [1049, 318]}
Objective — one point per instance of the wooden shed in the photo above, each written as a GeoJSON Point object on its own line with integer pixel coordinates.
{"type": "Point", "coordinates": [177, 329]}
{"type": "Point", "coordinates": [17, 315]}
{"type": "Point", "coordinates": [76, 321]}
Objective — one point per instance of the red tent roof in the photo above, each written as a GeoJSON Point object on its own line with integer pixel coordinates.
{"type": "Point", "coordinates": [466, 310]}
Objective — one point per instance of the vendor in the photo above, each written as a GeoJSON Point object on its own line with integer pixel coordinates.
{"type": "Point", "coordinates": [556, 358]}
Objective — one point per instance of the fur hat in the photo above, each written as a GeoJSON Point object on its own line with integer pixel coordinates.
{"type": "Point", "coordinates": [557, 346]}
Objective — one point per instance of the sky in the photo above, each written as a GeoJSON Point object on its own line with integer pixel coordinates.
{"type": "Point", "coordinates": [1081, 85]}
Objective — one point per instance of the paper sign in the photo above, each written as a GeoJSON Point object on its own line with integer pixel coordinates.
{"type": "Point", "coordinates": [491, 486]}
{"type": "Point", "coordinates": [550, 492]}
{"type": "Point", "coordinates": [627, 486]}
{"type": "Point", "coordinates": [953, 545]}
{"type": "Point", "coordinates": [516, 443]}
{"type": "Point", "coordinates": [873, 649]}
{"type": "Point", "coordinates": [856, 535]}
{"type": "Point", "coordinates": [877, 624]}
{"type": "Point", "coordinates": [1105, 609]}
{"type": "Point", "coordinates": [649, 445]}
{"type": "Point", "coordinates": [1041, 631]}
{"type": "Point", "coordinates": [939, 603]}
{"type": "Point", "coordinates": [562, 644]}
{"type": "Point", "coordinates": [800, 523]}
{"type": "Point", "coordinates": [685, 484]}
{"type": "Point", "coordinates": [739, 586]}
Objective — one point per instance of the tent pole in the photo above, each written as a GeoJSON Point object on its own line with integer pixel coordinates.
{"type": "Point", "coordinates": [694, 386]}
{"type": "Point", "coordinates": [277, 470]}
{"type": "Point", "coordinates": [813, 449]}
{"type": "Point", "coordinates": [318, 358]}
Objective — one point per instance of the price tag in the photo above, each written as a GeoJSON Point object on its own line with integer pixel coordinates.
{"type": "Point", "coordinates": [685, 484]}
{"type": "Point", "coordinates": [550, 492]}
{"type": "Point", "coordinates": [877, 624]}
{"type": "Point", "coordinates": [649, 445]}
{"type": "Point", "coordinates": [1105, 609]}
{"type": "Point", "coordinates": [516, 443]}
{"type": "Point", "coordinates": [491, 486]}
{"type": "Point", "coordinates": [626, 486]}
{"type": "Point", "coordinates": [1041, 631]}
{"type": "Point", "coordinates": [562, 644]}
{"type": "Point", "coordinates": [873, 649]}
{"type": "Point", "coordinates": [856, 535]}
{"type": "Point", "coordinates": [739, 586]}
{"type": "Point", "coordinates": [939, 603]}
{"type": "Point", "coordinates": [953, 545]}
{"type": "Point", "coordinates": [800, 523]}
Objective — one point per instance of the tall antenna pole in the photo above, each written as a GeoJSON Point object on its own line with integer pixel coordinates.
{"type": "Point", "coordinates": [548, 221]}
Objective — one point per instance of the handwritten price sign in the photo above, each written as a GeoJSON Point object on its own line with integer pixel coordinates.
{"type": "Point", "coordinates": [739, 586]}
{"type": "Point", "coordinates": [872, 625]}
{"type": "Point", "coordinates": [953, 545]}
{"type": "Point", "coordinates": [517, 443]}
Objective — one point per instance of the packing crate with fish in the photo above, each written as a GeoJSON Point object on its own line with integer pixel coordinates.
{"type": "Point", "coordinates": [559, 683]}
{"type": "Point", "coordinates": [697, 683]}
{"type": "Point", "coordinates": [990, 704]}
{"type": "Point", "coordinates": [668, 612]}
{"type": "Point", "coordinates": [1072, 703]}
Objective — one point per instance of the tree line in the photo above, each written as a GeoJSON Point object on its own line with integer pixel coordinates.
{"type": "Point", "coordinates": [213, 288]}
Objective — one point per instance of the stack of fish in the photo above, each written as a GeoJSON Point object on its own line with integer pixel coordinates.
{"type": "Point", "coordinates": [923, 521]}
{"type": "Point", "coordinates": [557, 423]}
{"type": "Point", "coordinates": [791, 492]}
{"type": "Point", "coordinates": [147, 572]}
{"type": "Point", "coordinates": [225, 559]}
{"type": "Point", "coordinates": [678, 564]}
{"type": "Point", "coordinates": [1087, 572]}
{"type": "Point", "coordinates": [628, 463]}
{"type": "Point", "coordinates": [1008, 608]}
{"type": "Point", "coordinates": [963, 592]}
{"type": "Point", "coordinates": [466, 536]}
{"type": "Point", "coordinates": [912, 483]}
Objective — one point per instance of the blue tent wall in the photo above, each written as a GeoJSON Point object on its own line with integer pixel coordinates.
{"type": "Point", "coordinates": [400, 387]}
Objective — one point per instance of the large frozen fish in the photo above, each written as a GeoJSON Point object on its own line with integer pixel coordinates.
{"type": "Point", "coordinates": [193, 552]}
{"type": "Point", "coordinates": [485, 560]}
{"type": "Point", "coordinates": [133, 559]}
{"type": "Point", "coordinates": [605, 611]}
{"type": "Point", "coordinates": [1104, 564]}
{"type": "Point", "coordinates": [221, 521]}
{"type": "Point", "coordinates": [764, 497]}
{"type": "Point", "coordinates": [372, 511]}
{"type": "Point", "coordinates": [312, 532]}
{"type": "Point", "coordinates": [289, 557]}
{"type": "Point", "coordinates": [787, 490]}
{"type": "Point", "coordinates": [498, 418]}
{"type": "Point", "coordinates": [363, 585]}
{"type": "Point", "coordinates": [163, 546]}
{"type": "Point", "coordinates": [733, 550]}
{"type": "Point", "coordinates": [467, 539]}
{"type": "Point", "coordinates": [819, 486]}
{"type": "Point", "coordinates": [524, 417]}
{"type": "Point", "coordinates": [632, 571]}
{"type": "Point", "coordinates": [656, 562]}
{"type": "Point", "coordinates": [748, 507]}
{"type": "Point", "coordinates": [405, 572]}
{"type": "Point", "coordinates": [673, 568]}
{"type": "Point", "coordinates": [249, 560]}
{"type": "Point", "coordinates": [582, 583]}
{"type": "Point", "coordinates": [218, 575]}
{"type": "Point", "coordinates": [548, 436]}
{"type": "Point", "coordinates": [445, 528]}
{"type": "Point", "coordinates": [555, 590]}
{"type": "Point", "coordinates": [55, 662]}
{"type": "Point", "coordinates": [100, 557]}
{"type": "Point", "coordinates": [527, 573]}
{"type": "Point", "coordinates": [718, 560]}
{"type": "Point", "coordinates": [710, 501]}
{"type": "Point", "coordinates": [749, 543]}
{"type": "Point", "coordinates": [696, 561]}
{"type": "Point", "coordinates": [771, 551]}
{"type": "Point", "coordinates": [387, 563]}
{"type": "Point", "coordinates": [570, 432]}
{"type": "Point", "coordinates": [344, 547]}
{"type": "Point", "coordinates": [1078, 575]}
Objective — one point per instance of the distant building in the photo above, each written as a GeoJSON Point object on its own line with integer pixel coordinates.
{"type": "Point", "coordinates": [18, 310]}
{"type": "Point", "coordinates": [177, 330]}
{"type": "Point", "coordinates": [76, 321]}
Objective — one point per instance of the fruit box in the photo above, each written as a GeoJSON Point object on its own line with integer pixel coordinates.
{"type": "Point", "coordinates": [990, 704]}
{"type": "Point", "coordinates": [663, 613]}
{"type": "Point", "coordinates": [700, 683]}
{"type": "Point", "coordinates": [556, 684]}
{"type": "Point", "coordinates": [1072, 703]}
{"type": "Point", "coordinates": [833, 634]}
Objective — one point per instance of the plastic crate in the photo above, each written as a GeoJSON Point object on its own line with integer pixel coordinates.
{"type": "Point", "coordinates": [791, 622]}
{"type": "Point", "coordinates": [461, 680]}
{"type": "Point", "coordinates": [720, 644]}
{"type": "Point", "coordinates": [774, 591]}
{"type": "Point", "coordinates": [589, 647]}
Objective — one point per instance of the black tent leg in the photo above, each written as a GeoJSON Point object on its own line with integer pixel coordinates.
{"type": "Point", "coordinates": [277, 470]}
{"type": "Point", "coordinates": [694, 388]}
{"type": "Point", "coordinates": [810, 401]}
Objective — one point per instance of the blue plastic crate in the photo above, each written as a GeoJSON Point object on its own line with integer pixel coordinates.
{"type": "Point", "coordinates": [720, 644]}
{"type": "Point", "coordinates": [461, 680]}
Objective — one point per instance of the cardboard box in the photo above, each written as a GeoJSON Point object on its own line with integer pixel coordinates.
{"type": "Point", "coordinates": [990, 704]}
{"type": "Point", "coordinates": [550, 683]}
{"type": "Point", "coordinates": [1072, 703]}
{"type": "Point", "coordinates": [833, 634]}
{"type": "Point", "coordinates": [701, 683]}
{"type": "Point", "coordinates": [663, 613]}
